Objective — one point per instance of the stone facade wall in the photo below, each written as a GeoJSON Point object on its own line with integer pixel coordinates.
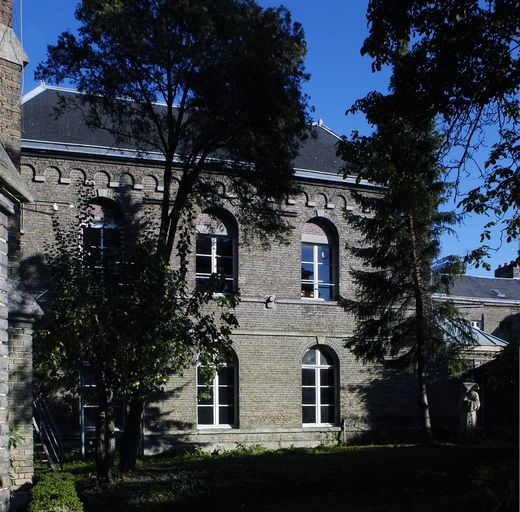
{"type": "Point", "coordinates": [20, 404]}
{"type": "Point", "coordinates": [271, 340]}
{"type": "Point", "coordinates": [4, 370]}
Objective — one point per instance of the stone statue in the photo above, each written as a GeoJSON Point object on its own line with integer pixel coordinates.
{"type": "Point", "coordinates": [469, 405]}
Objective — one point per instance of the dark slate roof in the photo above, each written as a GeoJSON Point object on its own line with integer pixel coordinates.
{"type": "Point", "coordinates": [40, 123]}
{"type": "Point", "coordinates": [482, 288]}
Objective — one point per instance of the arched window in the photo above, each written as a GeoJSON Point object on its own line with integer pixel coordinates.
{"type": "Point", "coordinates": [318, 261]}
{"type": "Point", "coordinates": [216, 251]}
{"type": "Point", "coordinates": [102, 232]}
{"type": "Point", "coordinates": [217, 395]}
{"type": "Point", "coordinates": [318, 388]}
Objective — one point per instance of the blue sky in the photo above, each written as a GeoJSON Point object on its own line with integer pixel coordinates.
{"type": "Point", "coordinates": [334, 30]}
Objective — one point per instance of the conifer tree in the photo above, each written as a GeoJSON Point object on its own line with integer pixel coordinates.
{"type": "Point", "coordinates": [398, 322]}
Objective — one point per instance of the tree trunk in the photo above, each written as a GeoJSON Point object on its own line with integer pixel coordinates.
{"type": "Point", "coordinates": [105, 439]}
{"type": "Point", "coordinates": [424, 408]}
{"type": "Point", "coordinates": [421, 336]}
{"type": "Point", "coordinates": [132, 436]}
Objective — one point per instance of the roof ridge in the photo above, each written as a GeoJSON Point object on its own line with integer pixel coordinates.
{"type": "Point", "coordinates": [42, 87]}
{"type": "Point", "coordinates": [491, 277]}
{"type": "Point", "coordinates": [323, 126]}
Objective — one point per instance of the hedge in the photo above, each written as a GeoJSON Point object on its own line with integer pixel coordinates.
{"type": "Point", "coordinates": [55, 492]}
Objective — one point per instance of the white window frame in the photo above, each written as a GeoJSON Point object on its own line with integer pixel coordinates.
{"type": "Point", "coordinates": [315, 268]}
{"type": "Point", "coordinates": [317, 388]}
{"type": "Point", "coordinates": [216, 403]}
{"type": "Point", "coordinates": [215, 257]}
{"type": "Point", "coordinates": [102, 226]}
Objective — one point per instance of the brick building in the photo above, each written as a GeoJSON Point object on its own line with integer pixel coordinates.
{"type": "Point", "coordinates": [290, 341]}
{"type": "Point", "coordinates": [491, 304]}
{"type": "Point", "coordinates": [291, 381]}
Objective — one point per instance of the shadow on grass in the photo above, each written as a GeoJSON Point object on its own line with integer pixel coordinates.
{"type": "Point", "coordinates": [361, 479]}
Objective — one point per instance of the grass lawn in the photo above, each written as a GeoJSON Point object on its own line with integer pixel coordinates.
{"type": "Point", "coordinates": [440, 478]}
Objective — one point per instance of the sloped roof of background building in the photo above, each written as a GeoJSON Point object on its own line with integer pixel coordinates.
{"type": "Point", "coordinates": [481, 288]}
{"type": "Point", "coordinates": [40, 123]}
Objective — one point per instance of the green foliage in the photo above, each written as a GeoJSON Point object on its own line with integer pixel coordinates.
{"type": "Point", "coordinates": [13, 438]}
{"type": "Point", "coordinates": [55, 492]}
{"type": "Point", "coordinates": [130, 322]}
{"type": "Point", "coordinates": [400, 230]}
{"type": "Point", "coordinates": [168, 77]}
{"type": "Point", "coordinates": [125, 321]}
{"type": "Point", "coordinates": [498, 485]}
{"type": "Point", "coordinates": [460, 62]}
{"type": "Point", "coordinates": [503, 372]}
{"type": "Point", "coordinates": [191, 56]}
{"type": "Point", "coordinates": [406, 477]}
{"type": "Point", "coordinates": [397, 321]}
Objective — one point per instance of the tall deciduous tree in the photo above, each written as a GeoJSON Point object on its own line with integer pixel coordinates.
{"type": "Point", "coordinates": [398, 322]}
{"type": "Point", "coordinates": [122, 320]}
{"type": "Point", "coordinates": [462, 65]}
{"type": "Point", "coordinates": [212, 86]}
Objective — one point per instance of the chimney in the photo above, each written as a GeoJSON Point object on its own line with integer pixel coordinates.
{"type": "Point", "coordinates": [12, 61]}
{"type": "Point", "coordinates": [509, 270]}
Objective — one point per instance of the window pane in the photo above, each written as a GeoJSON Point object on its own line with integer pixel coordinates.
{"type": "Point", "coordinates": [89, 416]}
{"type": "Point", "coordinates": [327, 377]}
{"type": "Point", "coordinates": [203, 265]}
{"type": "Point", "coordinates": [325, 292]}
{"type": "Point", "coordinates": [203, 244]}
{"type": "Point", "coordinates": [325, 358]}
{"type": "Point", "coordinates": [308, 377]}
{"type": "Point", "coordinates": [203, 379]}
{"type": "Point", "coordinates": [324, 254]}
{"type": "Point", "coordinates": [205, 415]}
{"type": "Point", "coordinates": [325, 273]}
{"type": "Point", "coordinates": [327, 414]}
{"type": "Point", "coordinates": [310, 357]}
{"type": "Point", "coordinates": [225, 247]}
{"type": "Point", "coordinates": [205, 395]}
{"type": "Point", "coordinates": [307, 290]}
{"type": "Point", "coordinates": [226, 415]}
{"type": "Point", "coordinates": [307, 253]}
{"type": "Point", "coordinates": [226, 395]}
{"type": "Point", "coordinates": [111, 238]}
{"type": "Point", "coordinates": [226, 375]}
{"type": "Point", "coordinates": [327, 396]}
{"type": "Point", "coordinates": [91, 237]}
{"type": "Point", "coordinates": [309, 395]}
{"type": "Point", "coordinates": [307, 271]}
{"type": "Point", "coordinates": [308, 414]}
{"type": "Point", "coordinates": [225, 266]}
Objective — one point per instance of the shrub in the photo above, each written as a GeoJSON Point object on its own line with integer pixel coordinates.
{"type": "Point", "coordinates": [55, 492]}
{"type": "Point", "coordinates": [498, 486]}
